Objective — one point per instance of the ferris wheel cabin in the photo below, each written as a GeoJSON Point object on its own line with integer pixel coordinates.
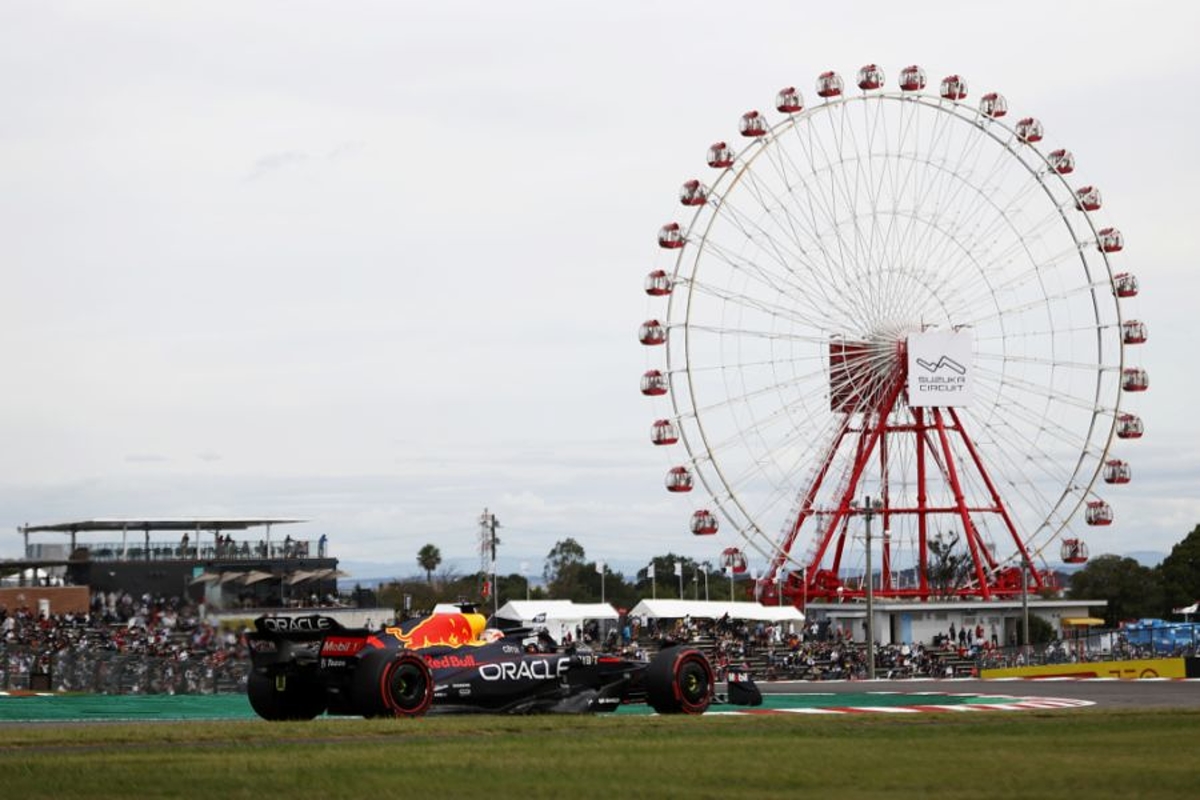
{"type": "Point", "coordinates": [1061, 161]}
{"type": "Point", "coordinates": [719, 156]}
{"type": "Point", "coordinates": [1133, 331]}
{"type": "Point", "coordinates": [652, 332]}
{"type": "Point", "coordinates": [664, 432]}
{"type": "Point", "coordinates": [1074, 551]}
{"type": "Point", "coordinates": [659, 283]}
{"type": "Point", "coordinates": [953, 88]}
{"type": "Point", "coordinates": [789, 100]}
{"type": "Point", "coordinates": [693, 193]}
{"type": "Point", "coordinates": [1126, 283]}
{"type": "Point", "coordinates": [670, 237]}
{"type": "Point", "coordinates": [1087, 198]}
{"type": "Point", "coordinates": [704, 523]}
{"type": "Point", "coordinates": [1117, 471]}
{"type": "Point", "coordinates": [654, 383]}
{"type": "Point", "coordinates": [1098, 512]}
{"type": "Point", "coordinates": [1129, 426]}
{"type": "Point", "coordinates": [679, 479]}
{"type": "Point", "coordinates": [829, 84]}
{"type": "Point", "coordinates": [993, 105]}
{"type": "Point", "coordinates": [912, 78]}
{"type": "Point", "coordinates": [1030, 130]}
{"type": "Point", "coordinates": [1110, 240]}
{"type": "Point", "coordinates": [1134, 379]}
{"type": "Point", "coordinates": [753, 124]}
{"type": "Point", "coordinates": [734, 559]}
{"type": "Point", "coordinates": [870, 77]}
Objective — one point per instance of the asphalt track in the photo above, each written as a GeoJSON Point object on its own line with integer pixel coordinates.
{"type": "Point", "coordinates": [1103, 693]}
{"type": "Point", "coordinates": [826, 697]}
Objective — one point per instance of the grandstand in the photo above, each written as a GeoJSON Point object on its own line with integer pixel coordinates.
{"type": "Point", "coordinates": [222, 563]}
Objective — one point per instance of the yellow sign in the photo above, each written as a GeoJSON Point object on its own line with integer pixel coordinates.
{"type": "Point", "coordinates": [1125, 670]}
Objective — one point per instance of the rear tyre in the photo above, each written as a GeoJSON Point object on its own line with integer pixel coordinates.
{"type": "Point", "coordinates": [391, 684]}
{"type": "Point", "coordinates": [679, 680]}
{"type": "Point", "coordinates": [285, 696]}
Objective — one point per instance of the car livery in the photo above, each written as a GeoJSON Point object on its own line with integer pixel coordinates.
{"type": "Point", "coordinates": [451, 663]}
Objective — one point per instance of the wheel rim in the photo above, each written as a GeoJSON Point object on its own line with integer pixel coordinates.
{"type": "Point", "coordinates": [693, 683]}
{"type": "Point", "coordinates": [407, 686]}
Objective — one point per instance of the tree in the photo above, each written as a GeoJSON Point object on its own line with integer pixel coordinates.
{"type": "Point", "coordinates": [429, 557]}
{"type": "Point", "coordinates": [948, 569]}
{"type": "Point", "coordinates": [565, 553]}
{"type": "Point", "coordinates": [1180, 572]}
{"type": "Point", "coordinates": [1132, 591]}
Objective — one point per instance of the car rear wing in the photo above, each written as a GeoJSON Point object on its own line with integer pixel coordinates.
{"type": "Point", "coordinates": [306, 628]}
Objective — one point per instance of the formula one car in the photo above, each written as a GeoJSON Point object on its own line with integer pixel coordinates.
{"type": "Point", "coordinates": [305, 666]}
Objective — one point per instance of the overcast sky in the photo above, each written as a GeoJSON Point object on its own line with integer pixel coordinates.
{"type": "Point", "coordinates": [379, 265]}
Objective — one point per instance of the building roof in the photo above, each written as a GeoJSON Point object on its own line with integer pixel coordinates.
{"type": "Point", "coordinates": [143, 524]}
{"type": "Point", "coordinates": [715, 609]}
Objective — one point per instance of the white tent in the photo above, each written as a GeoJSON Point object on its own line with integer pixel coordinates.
{"type": "Point", "coordinates": [558, 617]}
{"type": "Point", "coordinates": [700, 609]}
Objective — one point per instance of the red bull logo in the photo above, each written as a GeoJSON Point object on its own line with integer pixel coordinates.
{"type": "Point", "coordinates": [441, 630]}
{"type": "Point", "coordinates": [451, 662]}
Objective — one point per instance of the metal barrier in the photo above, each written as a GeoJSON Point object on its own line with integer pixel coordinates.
{"type": "Point", "coordinates": [111, 672]}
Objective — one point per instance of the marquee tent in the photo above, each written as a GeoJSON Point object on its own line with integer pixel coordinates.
{"type": "Point", "coordinates": [558, 617]}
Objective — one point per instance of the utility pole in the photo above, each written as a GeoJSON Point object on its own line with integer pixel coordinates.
{"type": "Point", "coordinates": [869, 508]}
{"type": "Point", "coordinates": [1025, 567]}
{"type": "Point", "coordinates": [487, 533]}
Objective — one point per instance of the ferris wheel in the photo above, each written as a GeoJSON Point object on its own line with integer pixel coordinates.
{"type": "Point", "coordinates": [899, 306]}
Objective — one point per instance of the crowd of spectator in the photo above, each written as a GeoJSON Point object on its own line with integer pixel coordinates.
{"type": "Point", "coordinates": [819, 651]}
{"type": "Point", "coordinates": [123, 645]}
{"type": "Point", "coordinates": [159, 645]}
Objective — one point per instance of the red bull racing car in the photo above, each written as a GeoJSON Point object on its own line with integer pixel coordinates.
{"type": "Point", "coordinates": [305, 666]}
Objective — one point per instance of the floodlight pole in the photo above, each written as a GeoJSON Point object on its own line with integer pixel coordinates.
{"type": "Point", "coordinates": [1025, 566]}
{"type": "Point", "coordinates": [869, 508]}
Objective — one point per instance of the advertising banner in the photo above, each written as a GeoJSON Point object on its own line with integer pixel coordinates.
{"type": "Point", "coordinates": [939, 369]}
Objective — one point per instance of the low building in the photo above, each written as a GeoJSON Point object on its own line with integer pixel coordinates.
{"type": "Point", "coordinates": [910, 622]}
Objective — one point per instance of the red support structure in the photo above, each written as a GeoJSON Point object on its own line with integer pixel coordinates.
{"type": "Point", "coordinates": [872, 422]}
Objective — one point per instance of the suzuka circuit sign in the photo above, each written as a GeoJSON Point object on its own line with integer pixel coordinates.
{"type": "Point", "coordinates": [939, 369]}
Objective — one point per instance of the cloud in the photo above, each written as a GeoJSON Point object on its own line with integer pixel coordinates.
{"type": "Point", "coordinates": [275, 162]}
{"type": "Point", "coordinates": [295, 159]}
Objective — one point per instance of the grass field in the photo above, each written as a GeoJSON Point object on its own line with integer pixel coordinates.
{"type": "Point", "coordinates": [1062, 755]}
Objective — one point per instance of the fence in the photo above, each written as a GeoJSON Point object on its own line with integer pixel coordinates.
{"type": "Point", "coordinates": [112, 672]}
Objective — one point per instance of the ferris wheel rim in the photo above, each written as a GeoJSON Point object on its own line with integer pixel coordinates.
{"type": "Point", "coordinates": [757, 147]}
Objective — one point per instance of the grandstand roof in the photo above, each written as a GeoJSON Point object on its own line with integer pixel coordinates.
{"type": "Point", "coordinates": [144, 524]}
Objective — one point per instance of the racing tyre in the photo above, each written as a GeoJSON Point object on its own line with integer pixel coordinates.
{"type": "Point", "coordinates": [391, 684]}
{"type": "Point", "coordinates": [679, 680]}
{"type": "Point", "coordinates": [285, 696]}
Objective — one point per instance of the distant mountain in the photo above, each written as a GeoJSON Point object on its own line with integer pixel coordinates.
{"type": "Point", "coordinates": [1147, 558]}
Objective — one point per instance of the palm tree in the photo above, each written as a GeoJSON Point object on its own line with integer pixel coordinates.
{"type": "Point", "coordinates": [428, 557]}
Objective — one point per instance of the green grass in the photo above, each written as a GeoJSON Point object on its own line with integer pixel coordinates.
{"type": "Point", "coordinates": [1009, 755]}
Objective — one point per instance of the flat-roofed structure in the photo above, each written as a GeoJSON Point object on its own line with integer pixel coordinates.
{"type": "Point", "coordinates": [227, 561]}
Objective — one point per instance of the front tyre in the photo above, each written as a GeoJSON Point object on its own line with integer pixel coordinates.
{"type": "Point", "coordinates": [679, 680]}
{"type": "Point", "coordinates": [283, 696]}
{"type": "Point", "coordinates": [389, 684]}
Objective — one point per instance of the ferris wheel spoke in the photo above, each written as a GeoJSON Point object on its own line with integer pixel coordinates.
{"type": "Point", "coordinates": [805, 316]}
{"type": "Point", "coordinates": [830, 270]}
{"type": "Point", "coordinates": [781, 283]}
{"type": "Point", "coordinates": [793, 175]}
